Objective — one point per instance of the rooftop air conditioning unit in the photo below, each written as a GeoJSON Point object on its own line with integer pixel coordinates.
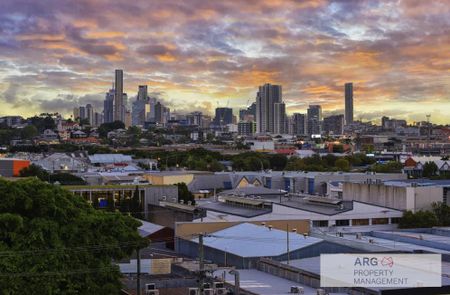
{"type": "Point", "coordinates": [152, 292]}
{"type": "Point", "coordinates": [150, 286]}
{"type": "Point", "coordinates": [208, 291]}
{"type": "Point", "coordinates": [359, 236]}
{"type": "Point", "coordinates": [221, 291]}
{"type": "Point", "coordinates": [206, 285]}
{"type": "Point", "coordinates": [321, 292]}
{"type": "Point", "coordinates": [193, 291]}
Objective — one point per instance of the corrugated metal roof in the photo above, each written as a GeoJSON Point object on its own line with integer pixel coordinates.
{"type": "Point", "coordinates": [148, 228]}
{"type": "Point", "coordinates": [109, 158]}
{"type": "Point", "coordinates": [250, 240]}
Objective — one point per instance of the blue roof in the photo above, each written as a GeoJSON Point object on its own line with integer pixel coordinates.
{"type": "Point", "coordinates": [250, 240]}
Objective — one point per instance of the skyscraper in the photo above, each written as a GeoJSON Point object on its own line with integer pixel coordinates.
{"type": "Point", "coordinates": [119, 112]}
{"type": "Point", "coordinates": [334, 125]}
{"type": "Point", "coordinates": [140, 107]}
{"type": "Point", "coordinates": [108, 106]}
{"type": "Point", "coordinates": [266, 98]}
{"type": "Point", "coordinates": [90, 114]}
{"type": "Point", "coordinates": [279, 118]}
{"type": "Point", "coordinates": [348, 103]}
{"type": "Point", "coordinates": [314, 119]}
{"type": "Point", "coordinates": [298, 124]}
{"type": "Point", "coordinates": [223, 116]}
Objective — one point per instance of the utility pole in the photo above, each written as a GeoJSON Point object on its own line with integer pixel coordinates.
{"type": "Point", "coordinates": [138, 281]}
{"type": "Point", "coordinates": [201, 263]}
{"type": "Point", "coordinates": [287, 244]}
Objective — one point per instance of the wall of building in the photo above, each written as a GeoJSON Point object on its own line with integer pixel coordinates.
{"type": "Point", "coordinates": [168, 179]}
{"type": "Point", "coordinates": [378, 194]}
{"type": "Point", "coordinates": [12, 167]}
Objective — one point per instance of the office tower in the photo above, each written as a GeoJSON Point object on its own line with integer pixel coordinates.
{"type": "Point", "coordinates": [248, 113]}
{"type": "Point", "coordinates": [314, 119]}
{"type": "Point", "coordinates": [90, 114]}
{"type": "Point", "coordinates": [348, 103]}
{"type": "Point", "coordinates": [334, 125]}
{"type": "Point", "coordinates": [162, 114]}
{"type": "Point", "coordinates": [82, 113]}
{"type": "Point", "coordinates": [108, 106]}
{"type": "Point", "coordinates": [194, 118]}
{"type": "Point", "coordinates": [127, 119]}
{"type": "Point", "coordinates": [223, 116]}
{"type": "Point", "coordinates": [140, 109]}
{"type": "Point", "coordinates": [118, 97]}
{"type": "Point", "coordinates": [142, 93]}
{"type": "Point", "coordinates": [98, 119]}
{"type": "Point", "coordinates": [246, 128]}
{"type": "Point", "coordinates": [266, 98]}
{"type": "Point", "coordinates": [279, 118]}
{"type": "Point", "coordinates": [298, 124]}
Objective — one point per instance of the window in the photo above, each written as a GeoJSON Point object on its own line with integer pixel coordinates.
{"type": "Point", "coordinates": [356, 222]}
{"type": "Point", "coordinates": [343, 222]}
{"type": "Point", "coordinates": [380, 220]}
{"type": "Point", "coordinates": [395, 220]}
{"type": "Point", "coordinates": [320, 223]}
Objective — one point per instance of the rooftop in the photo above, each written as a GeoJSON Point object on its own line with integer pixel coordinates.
{"type": "Point", "coordinates": [318, 207]}
{"type": "Point", "coordinates": [226, 208]}
{"type": "Point", "coordinates": [250, 240]}
{"type": "Point", "coordinates": [148, 228]}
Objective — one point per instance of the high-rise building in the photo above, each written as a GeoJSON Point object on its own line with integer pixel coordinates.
{"type": "Point", "coordinates": [141, 107]}
{"type": "Point", "coordinates": [224, 116]}
{"type": "Point", "coordinates": [119, 112]}
{"type": "Point", "coordinates": [314, 119]}
{"type": "Point", "coordinates": [142, 93]}
{"type": "Point", "coordinates": [266, 98]}
{"type": "Point", "coordinates": [348, 103]}
{"type": "Point", "coordinates": [279, 119]}
{"type": "Point", "coordinates": [334, 125]}
{"type": "Point", "coordinates": [194, 118]}
{"type": "Point", "coordinates": [248, 113]}
{"type": "Point", "coordinates": [90, 114]}
{"type": "Point", "coordinates": [108, 106]}
{"type": "Point", "coordinates": [246, 128]}
{"type": "Point", "coordinates": [82, 113]}
{"type": "Point", "coordinates": [298, 124]}
{"type": "Point", "coordinates": [98, 119]}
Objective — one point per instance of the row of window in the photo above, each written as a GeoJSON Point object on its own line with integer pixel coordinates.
{"type": "Point", "coordinates": [356, 222]}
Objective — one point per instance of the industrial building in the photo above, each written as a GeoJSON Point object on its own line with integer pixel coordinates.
{"type": "Point", "coordinates": [10, 167]}
{"type": "Point", "coordinates": [412, 194]}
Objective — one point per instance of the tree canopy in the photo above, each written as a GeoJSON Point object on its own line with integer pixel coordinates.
{"type": "Point", "coordinates": [53, 242]}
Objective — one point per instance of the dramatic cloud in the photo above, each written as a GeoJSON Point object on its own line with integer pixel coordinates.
{"type": "Point", "coordinates": [199, 54]}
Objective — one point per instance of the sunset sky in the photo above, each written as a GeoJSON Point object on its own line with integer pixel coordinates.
{"type": "Point", "coordinates": [197, 54]}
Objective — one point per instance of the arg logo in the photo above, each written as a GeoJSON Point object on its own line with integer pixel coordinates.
{"type": "Point", "coordinates": [373, 261]}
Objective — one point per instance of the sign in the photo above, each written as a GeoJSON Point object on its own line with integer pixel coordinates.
{"type": "Point", "coordinates": [383, 270]}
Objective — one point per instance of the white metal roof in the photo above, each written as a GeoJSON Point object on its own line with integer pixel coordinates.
{"type": "Point", "coordinates": [109, 158]}
{"type": "Point", "coordinates": [250, 240]}
{"type": "Point", "coordinates": [148, 228]}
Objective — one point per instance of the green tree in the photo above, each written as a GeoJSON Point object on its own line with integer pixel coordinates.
{"type": "Point", "coordinates": [442, 213]}
{"type": "Point", "coordinates": [184, 193]}
{"type": "Point", "coordinates": [56, 243]}
{"type": "Point", "coordinates": [430, 169]}
{"type": "Point", "coordinates": [107, 127]}
{"type": "Point", "coordinates": [34, 170]}
{"type": "Point", "coordinates": [342, 164]}
{"type": "Point", "coordinates": [420, 219]}
{"type": "Point", "coordinates": [29, 131]}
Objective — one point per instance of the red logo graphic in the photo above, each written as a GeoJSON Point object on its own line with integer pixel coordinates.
{"type": "Point", "coordinates": [387, 261]}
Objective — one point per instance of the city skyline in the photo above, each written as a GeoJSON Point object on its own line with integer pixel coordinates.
{"type": "Point", "coordinates": [55, 56]}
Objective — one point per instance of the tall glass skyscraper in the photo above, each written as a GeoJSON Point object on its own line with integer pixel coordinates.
{"type": "Point", "coordinates": [348, 103]}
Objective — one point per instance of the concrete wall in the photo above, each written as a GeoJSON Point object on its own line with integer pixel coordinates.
{"type": "Point", "coordinates": [378, 194]}
{"type": "Point", "coordinates": [153, 194]}
{"type": "Point", "coordinates": [397, 197]}
{"type": "Point", "coordinates": [155, 178]}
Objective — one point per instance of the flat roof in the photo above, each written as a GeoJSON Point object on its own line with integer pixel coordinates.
{"type": "Point", "coordinates": [253, 190]}
{"type": "Point", "coordinates": [259, 282]}
{"type": "Point", "coordinates": [316, 207]}
{"type": "Point", "coordinates": [250, 240]}
{"type": "Point", "coordinates": [223, 207]}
